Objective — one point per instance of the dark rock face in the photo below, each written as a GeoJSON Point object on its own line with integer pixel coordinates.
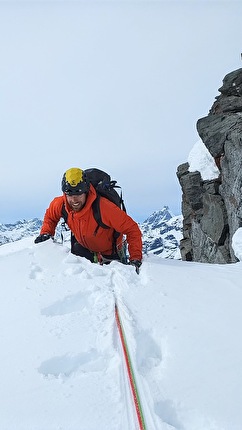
{"type": "Point", "coordinates": [212, 210]}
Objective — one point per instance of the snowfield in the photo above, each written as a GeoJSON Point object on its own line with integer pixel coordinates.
{"type": "Point", "coordinates": [62, 364]}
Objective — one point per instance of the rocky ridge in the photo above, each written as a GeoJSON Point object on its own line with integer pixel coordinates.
{"type": "Point", "coordinates": [212, 210]}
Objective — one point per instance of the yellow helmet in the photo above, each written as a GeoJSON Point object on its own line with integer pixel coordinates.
{"type": "Point", "coordinates": [74, 181]}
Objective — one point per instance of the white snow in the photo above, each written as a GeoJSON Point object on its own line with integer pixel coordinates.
{"type": "Point", "coordinates": [237, 243]}
{"type": "Point", "coordinates": [201, 160]}
{"type": "Point", "coordinates": [62, 366]}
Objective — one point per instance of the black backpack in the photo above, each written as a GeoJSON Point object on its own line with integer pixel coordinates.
{"type": "Point", "coordinates": [105, 187]}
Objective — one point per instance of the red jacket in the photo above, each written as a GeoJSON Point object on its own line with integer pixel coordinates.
{"type": "Point", "coordinates": [83, 225]}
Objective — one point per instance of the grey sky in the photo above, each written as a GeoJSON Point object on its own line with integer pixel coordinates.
{"type": "Point", "coordinates": [116, 85]}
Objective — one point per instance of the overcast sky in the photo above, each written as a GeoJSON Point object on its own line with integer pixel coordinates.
{"type": "Point", "coordinates": [117, 85]}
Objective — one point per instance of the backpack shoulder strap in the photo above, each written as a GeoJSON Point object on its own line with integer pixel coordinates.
{"type": "Point", "coordinates": [64, 213]}
{"type": "Point", "coordinates": [97, 214]}
{"type": "Point", "coordinates": [98, 219]}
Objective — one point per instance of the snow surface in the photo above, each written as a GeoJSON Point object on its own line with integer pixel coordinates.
{"type": "Point", "coordinates": [201, 160]}
{"type": "Point", "coordinates": [62, 366]}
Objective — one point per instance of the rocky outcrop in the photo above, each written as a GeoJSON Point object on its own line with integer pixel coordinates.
{"type": "Point", "coordinates": [212, 210]}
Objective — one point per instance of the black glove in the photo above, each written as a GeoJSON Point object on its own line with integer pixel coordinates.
{"type": "Point", "coordinates": [42, 238]}
{"type": "Point", "coordinates": [137, 264]}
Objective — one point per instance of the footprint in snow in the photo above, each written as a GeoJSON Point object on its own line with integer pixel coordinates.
{"type": "Point", "coordinates": [148, 353]}
{"type": "Point", "coordinates": [166, 410]}
{"type": "Point", "coordinates": [72, 303]}
{"type": "Point", "coordinates": [35, 271]}
{"type": "Point", "coordinates": [75, 270]}
{"type": "Point", "coordinates": [66, 365]}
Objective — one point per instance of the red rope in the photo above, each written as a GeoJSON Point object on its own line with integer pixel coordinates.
{"type": "Point", "coordinates": [130, 371]}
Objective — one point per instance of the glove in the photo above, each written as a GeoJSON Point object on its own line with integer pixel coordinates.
{"type": "Point", "coordinates": [137, 264]}
{"type": "Point", "coordinates": [42, 238]}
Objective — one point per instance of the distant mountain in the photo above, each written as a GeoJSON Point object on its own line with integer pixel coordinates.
{"type": "Point", "coordinates": [19, 230]}
{"type": "Point", "coordinates": [161, 232]}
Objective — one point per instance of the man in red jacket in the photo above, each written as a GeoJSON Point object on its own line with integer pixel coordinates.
{"type": "Point", "coordinates": [88, 239]}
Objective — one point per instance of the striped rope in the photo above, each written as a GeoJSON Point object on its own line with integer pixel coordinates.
{"type": "Point", "coordinates": [131, 376]}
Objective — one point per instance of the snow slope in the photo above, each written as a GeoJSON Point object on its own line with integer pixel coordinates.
{"type": "Point", "coordinates": [62, 365]}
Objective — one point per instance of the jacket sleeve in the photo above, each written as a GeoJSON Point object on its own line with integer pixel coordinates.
{"type": "Point", "coordinates": [123, 223]}
{"type": "Point", "coordinates": [52, 216]}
